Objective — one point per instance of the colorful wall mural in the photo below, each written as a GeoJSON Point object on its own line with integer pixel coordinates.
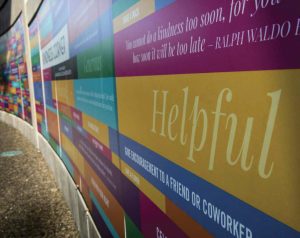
{"type": "Point", "coordinates": [175, 118]}
{"type": "Point", "coordinates": [14, 87]}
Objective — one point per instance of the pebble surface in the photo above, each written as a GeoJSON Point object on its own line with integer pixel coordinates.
{"type": "Point", "coordinates": [31, 205]}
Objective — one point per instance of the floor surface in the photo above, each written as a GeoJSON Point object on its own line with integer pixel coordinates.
{"type": "Point", "coordinates": [31, 205]}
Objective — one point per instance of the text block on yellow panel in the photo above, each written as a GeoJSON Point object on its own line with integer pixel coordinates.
{"type": "Point", "coordinates": [149, 190]}
{"type": "Point", "coordinates": [239, 131]}
{"type": "Point", "coordinates": [96, 129]}
{"type": "Point", "coordinates": [65, 92]}
{"type": "Point", "coordinates": [73, 153]}
{"type": "Point", "coordinates": [134, 14]}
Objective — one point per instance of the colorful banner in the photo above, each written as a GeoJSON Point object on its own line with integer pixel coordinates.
{"type": "Point", "coordinates": [14, 88]}
{"type": "Point", "coordinates": [207, 116]}
{"type": "Point", "coordinates": [72, 51]}
{"type": "Point", "coordinates": [175, 118]}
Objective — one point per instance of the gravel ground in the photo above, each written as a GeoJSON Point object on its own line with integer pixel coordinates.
{"type": "Point", "coordinates": [31, 205]}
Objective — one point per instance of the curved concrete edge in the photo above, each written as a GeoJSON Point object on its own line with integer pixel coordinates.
{"type": "Point", "coordinates": [72, 195]}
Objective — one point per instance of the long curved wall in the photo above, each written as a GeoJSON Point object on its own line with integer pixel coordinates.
{"type": "Point", "coordinates": [174, 118]}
